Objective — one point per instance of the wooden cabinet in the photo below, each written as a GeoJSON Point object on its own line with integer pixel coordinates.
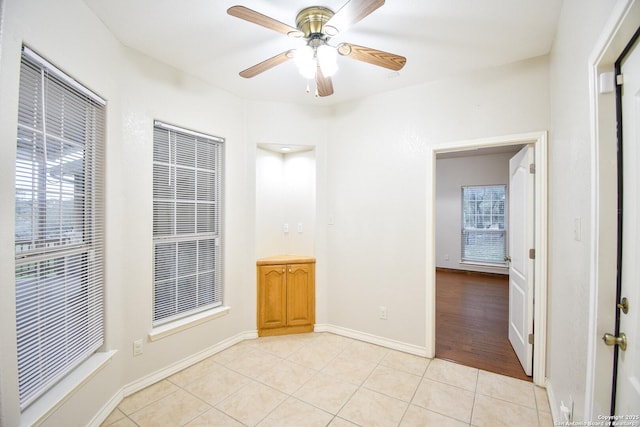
{"type": "Point", "coordinates": [286, 295]}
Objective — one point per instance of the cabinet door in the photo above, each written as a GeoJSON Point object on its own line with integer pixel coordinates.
{"type": "Point", "coordinates": [272, 296]}
{"type": "Point", "coordinates": [300, 294]}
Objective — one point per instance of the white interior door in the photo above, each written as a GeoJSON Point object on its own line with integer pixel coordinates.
{"type": "Point", "coordinates": [628, 384]}
{"type": "Point", "coordinates": [521, 196]}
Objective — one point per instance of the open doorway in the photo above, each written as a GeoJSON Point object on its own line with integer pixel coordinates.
{"type": "Point", "coordinates": [472, 268]}
{"type": "Point", "coordinates": [539, 238]}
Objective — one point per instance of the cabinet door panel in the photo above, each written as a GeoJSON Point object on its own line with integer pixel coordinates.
{"type": "Point", "coordinates": [300, 294]}
{"type": "Point", "coordinates": [272, 297]}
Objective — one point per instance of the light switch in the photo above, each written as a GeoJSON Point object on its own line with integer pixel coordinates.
{"type": "Point", "coordinates": [299, 227]}
{"type": "Point", "coordinates": [285, 228]}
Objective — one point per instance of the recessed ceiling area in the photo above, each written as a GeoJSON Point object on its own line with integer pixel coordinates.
{"type": "Point", "coordinates": [285, 148]}
{"type": "Point", "coordinates": [439, 38]}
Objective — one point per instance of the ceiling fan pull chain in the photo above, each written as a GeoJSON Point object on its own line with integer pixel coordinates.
{"type": "Point", "coordinates": [308, 90]}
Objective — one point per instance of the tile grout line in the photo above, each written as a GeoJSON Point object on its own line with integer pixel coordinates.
{"type": "Point", "coordinates": [360, 385]}
{"type": "Point", "coordinates": [475, 395]}
{"type": "Point", "coordinates": [288, 395]}
{"type": "Point", "coordinates": [415, 391]}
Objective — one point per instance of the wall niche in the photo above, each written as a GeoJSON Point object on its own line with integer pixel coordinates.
{"type": "Point", "coordinates": [285, 199]}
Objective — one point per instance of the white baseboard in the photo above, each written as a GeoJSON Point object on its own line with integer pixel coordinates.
{"type": "Point", "coordinates": [185, 363]}
{"type": "Point", "coordinates": [372, 339]}
{"type": "Point", "coordinates": [107, 409]}
{"type": "Point", "coordinates": [161, 374]}
{"type": "Point", "coordinates": [555, 406]}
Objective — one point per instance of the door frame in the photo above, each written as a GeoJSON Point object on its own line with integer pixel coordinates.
{"type": "Point", "coordinates": [618, 30]}
{"type": "Point", "coordinates": [539, 142]}
{"type": "Point", "coordinates": [619, 262]}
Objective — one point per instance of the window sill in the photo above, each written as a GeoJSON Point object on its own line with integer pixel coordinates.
{"type": "Point", "coordinates": [163, 331]}
{"type": "Point", "coordinates": [484, 264]}
{"type": "Point", "coordinates": [40, 409]}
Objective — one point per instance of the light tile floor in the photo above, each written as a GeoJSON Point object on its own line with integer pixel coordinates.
{"type": "Point", "coordinates": [328, 380]}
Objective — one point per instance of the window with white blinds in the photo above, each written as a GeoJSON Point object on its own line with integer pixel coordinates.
{"type": "Point", "coordinates": [59, 225]}
{"type": "Point", "coordinates": [483, 224]}
{"type": "Point", "coordinates": [187, 222]}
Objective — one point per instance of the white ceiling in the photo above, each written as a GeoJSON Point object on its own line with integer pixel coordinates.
{"type": "Point", "coordinates": [439, 38]}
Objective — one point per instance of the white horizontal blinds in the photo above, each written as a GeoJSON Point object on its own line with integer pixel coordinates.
{"type": "Point", "coordinates": [59, 228]}
{"type": "Point", "coordinates": [483, 224]}
{"type": "Point", "coordinates": [187, 222]}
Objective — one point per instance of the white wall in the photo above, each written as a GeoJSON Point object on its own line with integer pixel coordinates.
{"type": "Point", "coordinates": [451, 175]}
{"type": "Point", "coordinates": [270, 184]}
{"type": "Point", "coordinates": [300, 202]}
{"type": "Point", "coordinates": [377, 168]}
{"type": "Point", "coordinates": [570, 197]}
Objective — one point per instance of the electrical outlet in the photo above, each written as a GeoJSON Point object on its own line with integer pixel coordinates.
{"type": "Point", "coordinates": [137, 347]}
{"type": "Point", "coordinates": [571, 408]}
{"type": "Point", "coordinates": [567, 411]}
{"type": "Point", "coordinates": [383, 313]}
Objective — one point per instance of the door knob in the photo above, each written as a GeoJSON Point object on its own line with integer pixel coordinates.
{"type": "Point", "coordinates": [620, 341]}
{"type": "Point", "coordinates": [507, 258]}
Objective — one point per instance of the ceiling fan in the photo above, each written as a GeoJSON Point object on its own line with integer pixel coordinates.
{"type": "Point", "coordinates": [316, 25]}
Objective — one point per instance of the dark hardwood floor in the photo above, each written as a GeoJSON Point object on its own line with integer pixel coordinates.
{"type": "Point", "coordinates": [472, 312]}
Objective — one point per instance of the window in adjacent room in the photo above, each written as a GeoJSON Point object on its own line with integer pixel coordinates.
{"type": "Point", "coordinates": [59, 228]}
{"type": "Point", "coordinates": [187, 222]}
{"type": "Point", "coordinates": [483, 224]}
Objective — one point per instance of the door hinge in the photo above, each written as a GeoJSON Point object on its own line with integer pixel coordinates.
{"type": "Point", "coordinates": [532, 254]}
{"type": "Point", "coordinates": [532, 168]}
{"type": "Point", "coordinates": [620, 79]}
{"type": "Point", "coordinates": [530, 338]}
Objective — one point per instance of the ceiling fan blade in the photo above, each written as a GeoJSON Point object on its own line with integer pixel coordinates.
{"type": "Point", "coordinates": [323, 84]}
{"type": "Point", "coordinates": [263, 20]}
{"type": "Point", "coordinates": [372, 56]}
{"type": "Point", "coordinates": [353, 11]}
{"type": "Point", "coordinates": [267, 64]}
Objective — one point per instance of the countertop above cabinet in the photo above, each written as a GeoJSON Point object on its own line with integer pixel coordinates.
{"type": "Point", "coordinates": [286, 259]}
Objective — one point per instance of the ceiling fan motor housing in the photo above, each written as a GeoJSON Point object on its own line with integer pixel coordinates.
{"type": "Point", "coordinates": [311, 21]}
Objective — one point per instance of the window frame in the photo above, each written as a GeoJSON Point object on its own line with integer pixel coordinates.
{"type": "Point", "coordinates": [196, 311]}
{"type": "Point", "coordinates": [59, 275]}
{"type": "Point", "coordinates": [466, 232]}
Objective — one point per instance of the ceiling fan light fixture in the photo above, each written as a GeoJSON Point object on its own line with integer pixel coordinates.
{"type": "Point", "coordinates": [327, 59]}
{"type": "Point", "coordinates": [306, 62]}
